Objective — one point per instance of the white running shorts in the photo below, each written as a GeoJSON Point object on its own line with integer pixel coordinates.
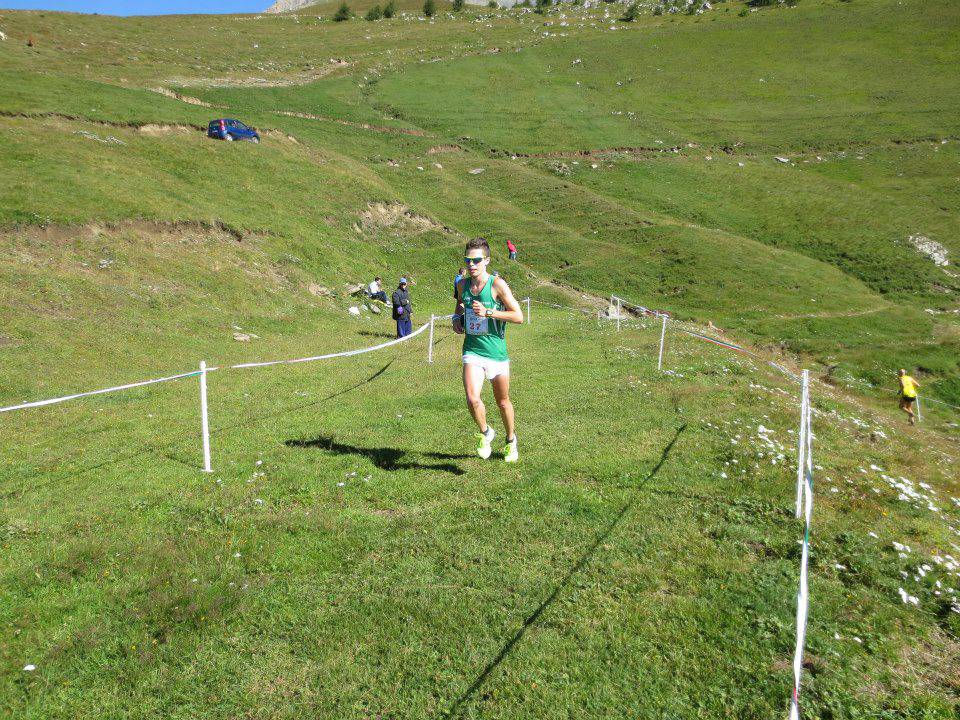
{"type": "Point", "coordinates": [491, 368]}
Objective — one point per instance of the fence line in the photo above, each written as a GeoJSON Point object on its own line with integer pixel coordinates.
{"type": "Point", "coordinates": [204, 370]}
{"type": "Point", "coordinates": [804, 501]}
{"type": "Point", "coordinates": [678, 325]}
{"type": "Point", "coordinates": [328, 356]}
{"type": "Point", "coordinates": [804, 504]}
{"type": "Point", "coordinates": [128, 386]}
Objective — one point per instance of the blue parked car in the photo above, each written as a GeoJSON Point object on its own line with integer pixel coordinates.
{"type": "Point", "coordinates": [226, 129]}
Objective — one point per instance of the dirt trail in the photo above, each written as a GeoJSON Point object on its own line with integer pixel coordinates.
{"type": "Point", "coordinates": [719, 150]}
{"type": "Point", "coordinates": [172, 94]}
{"type": "Point", "coordinates": [353, 123]}
{"type": "Point", "coordinates": [303, 78]}
{"type": "Point", "coordinates": [843, 314]}
{"type": "Point", "coordinates": [148, 127]}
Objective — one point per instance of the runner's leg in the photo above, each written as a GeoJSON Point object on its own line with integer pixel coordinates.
{"type": "Point", "coordinates": [905, 406]}
{"type": "Point", "coordinates": [473, 383]}
{"type": "Point", "coordinates": [501, 391]}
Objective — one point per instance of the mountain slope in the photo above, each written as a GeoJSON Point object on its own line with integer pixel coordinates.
{"type": "Point", "coordinates": [349, 557]}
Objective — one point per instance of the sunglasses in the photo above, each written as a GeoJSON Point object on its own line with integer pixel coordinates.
{"type": "Point", "coordinates": [473, 260]}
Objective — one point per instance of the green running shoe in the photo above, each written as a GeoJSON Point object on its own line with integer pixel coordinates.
{"type": "Point", "coordinates": [510, 453]}
{"type": "Point", "coordinates": [484, 441]}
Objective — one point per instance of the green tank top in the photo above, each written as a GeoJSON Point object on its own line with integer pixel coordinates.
{"type": "Point", "coordinates": [483, 336]}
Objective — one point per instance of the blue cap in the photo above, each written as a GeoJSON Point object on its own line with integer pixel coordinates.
{"type": "Point", "coordinates": [403, 281]}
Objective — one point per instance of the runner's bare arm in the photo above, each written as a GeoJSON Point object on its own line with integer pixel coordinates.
{"type": "Point", "coordinates": [458, 310]}
{"type": "Point", "coordinates": [501, 292]}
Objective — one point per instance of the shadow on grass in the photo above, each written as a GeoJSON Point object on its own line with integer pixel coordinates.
{"type": "Point", "coordinates": [253, 419]}
{"type": "Point", "coordinates": [390, 459]}
{"type": "Point", "coordinates": [461, 702]}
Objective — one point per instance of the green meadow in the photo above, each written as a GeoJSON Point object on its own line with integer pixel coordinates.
{"type": "Point", "coordinates": [785, 178]}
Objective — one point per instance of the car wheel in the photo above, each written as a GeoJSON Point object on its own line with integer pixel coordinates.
{"type": "Point", "coordinates": [255, 140]}
{"type": "Point", "coordinates": [228, 137]}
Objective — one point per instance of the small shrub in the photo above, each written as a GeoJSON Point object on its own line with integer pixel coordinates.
{"type": "Point", "coordinates": [343, 13]}
{"type": "Point", "coordinates": [762, 3]}
{"type": "Point", "coordinates": [429, 8]}
{"type": "Point", "coordinates": [542, 6]}
{"type": "Point", "coordinates": [457, 5]}
{"type": "Point", "coordinates": [658, 10]}
{"type": "Point", "coordinates": [743, 13]}
{"type": "Point", "coordinates": [632, 12]}
{"type": "Point", "coordinates": [492, 4]}
{"type": "Point", "coordinates": [374, 13]}
{"type": "Point", "coordinates": [389, 10]}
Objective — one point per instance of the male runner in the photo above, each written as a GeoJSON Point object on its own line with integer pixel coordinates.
{"type": "Point", "coordinates": [484, 306]}
{"type": "Point", "coordinates": [908, 394]}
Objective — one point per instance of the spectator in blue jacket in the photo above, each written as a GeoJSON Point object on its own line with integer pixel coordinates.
{"type": "Point", "coordinates": [402, 309]}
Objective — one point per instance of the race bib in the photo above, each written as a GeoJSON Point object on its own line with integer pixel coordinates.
{"type": "Point", "coordinates": [475, 325]}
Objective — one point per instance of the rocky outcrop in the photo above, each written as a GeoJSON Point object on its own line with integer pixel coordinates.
{"type": "Point", "coordinates": [282, 6]}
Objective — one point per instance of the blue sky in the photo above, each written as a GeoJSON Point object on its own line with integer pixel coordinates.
{"type": "Point", "coordinates": [139, 7]}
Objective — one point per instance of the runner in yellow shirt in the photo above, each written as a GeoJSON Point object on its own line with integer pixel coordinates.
{"type": "Point", "coordinates": [908, 394]}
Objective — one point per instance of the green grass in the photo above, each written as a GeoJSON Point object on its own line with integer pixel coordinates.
{"type": "Point", "coordinates": [716, 80]}
{"type": "Point", "coordinates": [430, 584]}
{"type": "Point", "coordinates": [393, 592]}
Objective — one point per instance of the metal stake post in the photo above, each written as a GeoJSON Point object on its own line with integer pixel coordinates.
{"type": "Point", "coordinates": [204, 422]}
{"type": "Point", "coordinates": [430, 344]}
{"type": "Point", "coordinates": [919, 412]}
{"type": "Point", "coordinates": [528, 311]}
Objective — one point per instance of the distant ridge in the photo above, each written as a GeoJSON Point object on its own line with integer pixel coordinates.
{"type": "Point", "coordinates": [282, 6]}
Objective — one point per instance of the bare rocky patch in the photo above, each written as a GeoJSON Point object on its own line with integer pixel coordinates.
{"type": "Point", "coordinates": [280, 135]}
{"type": "Point", "coordinates": [172, 94]}
{"type": "Point", "coordinates": [931, 249]}
{"type": "Point", "coordinates": [160, 129]}
{"type": "Point", "coordinates": [398, 218]}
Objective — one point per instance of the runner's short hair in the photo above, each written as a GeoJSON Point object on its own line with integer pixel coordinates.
{"type": "Point", "coordinates": [479, 242]}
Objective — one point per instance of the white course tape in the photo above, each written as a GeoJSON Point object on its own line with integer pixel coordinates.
{"type": "Point", "coordinates": [52, 401]}
{"type": "Point", "coordinates": [345, 353]}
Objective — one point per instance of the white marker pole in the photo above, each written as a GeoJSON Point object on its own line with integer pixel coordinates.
{"type": "Point", "coordinates": [528, 311]}
{"type": "Point", "coordinates": [663, 334]}
{"type": "Point", "coordinates": [430, 342]}
{"type": "Point", "coordinates": [919, 413]}
{"type": "Point", "coordinates": [802, 442]}
{"type": "Point", "coordinates": [204, 423]}
{"type": "Point", "coordinates": [619, 313]}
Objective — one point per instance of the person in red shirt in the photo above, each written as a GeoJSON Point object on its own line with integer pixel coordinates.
{"type": "Point", "coordinates": [512, 249]}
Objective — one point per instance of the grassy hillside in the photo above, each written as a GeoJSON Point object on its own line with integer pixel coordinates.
{"type": "Point", "coordinates": [349, 557]}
